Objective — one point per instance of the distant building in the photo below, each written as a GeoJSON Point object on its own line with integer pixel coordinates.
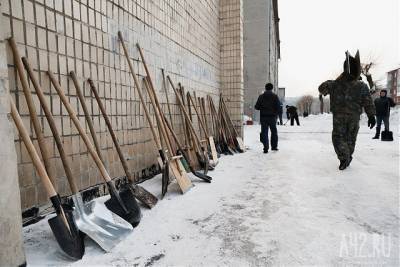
{"type": "Point", "coordinates": [393, 84]}
{"type": "Point", "coordinates": [261, 50]}
{"type": "Point", "coordinates": [281, 94]}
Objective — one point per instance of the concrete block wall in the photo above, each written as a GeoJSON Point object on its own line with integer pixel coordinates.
{"type": "Point", "coordinates": [232, 59]}
{"type": "Point", "coordinates": [182, 37]}
{"type": "Point", "coordinates": [261, 51]}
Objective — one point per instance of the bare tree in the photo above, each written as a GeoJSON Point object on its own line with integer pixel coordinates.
{"type": "Point", "coordinates": [305, 104]}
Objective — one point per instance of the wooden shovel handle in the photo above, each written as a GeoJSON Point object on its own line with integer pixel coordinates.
{"type": "Point", "coordinates": [32, 151]}
{"type": "Point", "coordinates": [152, 92]}
{"type": "Point", "coordinates": [137, 85]}
{"type": "Point", "coordinates": [166, 96]}
{"type": "Point", "coordinates": [183, 109]}
{"type": "Point", "coordinates": [52, 125]}
{"type": "Point", "coordinates": [81, 131]}
{"type": "Point", "coordinates": [110, 129]}
{"type": "Point", "coordinates": [87, 115]}
{"type": "Point", "coordinates": [203, 127]}
{"type": "Point", "coordinates": [229, 118]}
{"type": "Point", "coordinates": [32, 110]}
{"type": "Point", "coordinates": [158, 117]}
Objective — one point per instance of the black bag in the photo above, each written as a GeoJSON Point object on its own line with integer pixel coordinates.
{"type": "Point", "coordinates": [387, 136]}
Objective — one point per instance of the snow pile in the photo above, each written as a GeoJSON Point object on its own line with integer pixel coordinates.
{"type": "Point", "coordinates": [292, 207]}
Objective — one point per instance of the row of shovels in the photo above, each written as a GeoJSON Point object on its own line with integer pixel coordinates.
{"type": "Point", "coordinates": [176, 158]}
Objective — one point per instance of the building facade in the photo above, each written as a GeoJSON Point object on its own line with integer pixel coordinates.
{"type": "Point", "coordinates": [261, 50]}
{"type": "Point", "coordinates": [197, 43]}
{"type": "Point", "coordinates": [393, 84]}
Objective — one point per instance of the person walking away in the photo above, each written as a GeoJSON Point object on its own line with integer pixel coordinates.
{"type": "Point", "coordinates": [280, 113]}
{"type": "Point", "coordinates": [268, 105]}
{"type": "Point", "coordinates": [287, 113]}
{"type": "Point", "coordinates": [294, 116]}
{"type": "Point", "coordinates": [348, 95]}
{"type": "Point", "coordinates": [382, 105]}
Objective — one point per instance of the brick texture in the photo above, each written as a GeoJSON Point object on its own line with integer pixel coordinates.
{"type": "Point", "coordinates": [197, 43]}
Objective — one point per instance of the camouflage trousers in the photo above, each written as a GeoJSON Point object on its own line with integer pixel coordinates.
{"type": "Point", "coordinates": [344, 134]}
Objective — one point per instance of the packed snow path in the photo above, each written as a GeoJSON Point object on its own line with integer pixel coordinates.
{"type": "Point", "coordinates": [292, 207]}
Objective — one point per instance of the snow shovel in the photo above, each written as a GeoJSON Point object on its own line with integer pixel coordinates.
{"type": "Point", "coordinates": [103, 231]}
{"type": "Point", "coordinates": [188, 136]}
{"type": "Point", "coordinates": [160, 113]}
{"type": "Point", "coordinates": [139, 192]}
{"type": "Point", "coordinates": [225, 128]}
{"type": "Point", "coordinates": [62, 225]}
{"type": "Point", "coordinates": [213, 148]}
{"type": "Point", "coordinates": [221, 141]}
{"type": "Point", "coordinates": [121, 202]}
{"type": "Point", "coordinates": [203, 127]}
{"type": "Point", "coordinates": [176, 166]}
{"type": "Point", "coordinates": [201, 154]}
{"type": "Point", "coordinates": [204, 157]}
{"type": "Point", "coordinates": [165, 174]}
{"type": "Point", "coordinates": [185, 155]}
{"type": "Point", "coordinates": [183, 180]}
{"type": "Point", "coordinates": [238, 139]}
{"type": "Point", "coordinates": [148, 199]}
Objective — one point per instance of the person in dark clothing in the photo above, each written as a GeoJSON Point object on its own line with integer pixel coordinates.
{"type": "Point", "coordinates": [268, 104]}
{"type": "Point", "coordinates": [382, 107]}
{"type": "Point", "coordinates": [287, 112]}
{"type": "Point", "coordinates": [292, 111]}
{"type": "Point", "coordinates": [280, 112]}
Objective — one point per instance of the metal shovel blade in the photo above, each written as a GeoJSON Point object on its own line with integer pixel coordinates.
{"type": "Point", "coordinates": [202, 176]}
{"type": "Point", "coordinates": [67, 235]}
{"type": "Point", "coordinates": [103, 230]}
{"type": "Point", "coordinates": [124, 204]}
{"type": "Point", "coordinates": [165, 178]}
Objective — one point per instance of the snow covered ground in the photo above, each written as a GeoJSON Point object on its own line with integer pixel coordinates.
{"type": "Point", "coordinates": [292, 208]}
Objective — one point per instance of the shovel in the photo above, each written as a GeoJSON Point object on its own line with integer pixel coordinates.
{"type": "Point", "coordinates": [156, 105]}
{"type": "Point", "coordinates": [238, 139]}
{"type": "Point", "coordinates": [213, 148]}
{"type": "Point", "coordinates": [121, 202]}
{"type": "Point", "coordinates": [175, 164]}
{"type": "Point", "coordinates": [203, 127]}
{"type": "Point", "coordinates": [196, 137]}
{"type": "Point", "coordinates": [103, 231]}
{"type": "Point", "coordinates": [62, 225]}
{"type": "Point", "coordinates": [183, 180]}
{"type": "Point", "coordinates": [185, 155]}
{"type": "Point", "coordinates": [142, 194]}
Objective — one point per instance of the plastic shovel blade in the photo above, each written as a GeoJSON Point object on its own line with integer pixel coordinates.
{"type": "Point", "coordinates": [101, 229]}
{"type": "Point", "coordinates": [123, 203]}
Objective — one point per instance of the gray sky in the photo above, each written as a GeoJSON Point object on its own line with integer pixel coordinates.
{"type": "Point", "coordinates": [316, 33]}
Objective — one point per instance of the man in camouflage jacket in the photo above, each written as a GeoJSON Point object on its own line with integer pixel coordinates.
{"type": "Point", "coordinates": [348, 95]}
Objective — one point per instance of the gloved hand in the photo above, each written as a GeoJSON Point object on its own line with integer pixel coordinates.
{"type": "Point", "coordinates": [371, 122]}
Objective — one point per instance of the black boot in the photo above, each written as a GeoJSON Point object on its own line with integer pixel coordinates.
{"type": "Point", "coordinates": [349, 161]}
{"type": "Point", "coordinates": [377, 134]}
{"type": "Point", "coordinates": [265, 150]}
{"type": "Point", "coordinates": [343, 164]}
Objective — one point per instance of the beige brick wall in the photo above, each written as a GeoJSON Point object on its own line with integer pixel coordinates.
{"type": "Point", "coordinates": [232, 59]}
{"type": "Point", "coordinates": [184, 37]}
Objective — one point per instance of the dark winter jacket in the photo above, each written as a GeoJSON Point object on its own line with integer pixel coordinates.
{"type": "Point", "coordinates": [280, 111]}
{"type": "Point", "coordinates": [292, 110]}
{"type": "Point", "coordinates": [268, 104]}
{"type": "Point", "coordinates": [348, 96]}
{"type": "Point", "coordinates": [383, 105]}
